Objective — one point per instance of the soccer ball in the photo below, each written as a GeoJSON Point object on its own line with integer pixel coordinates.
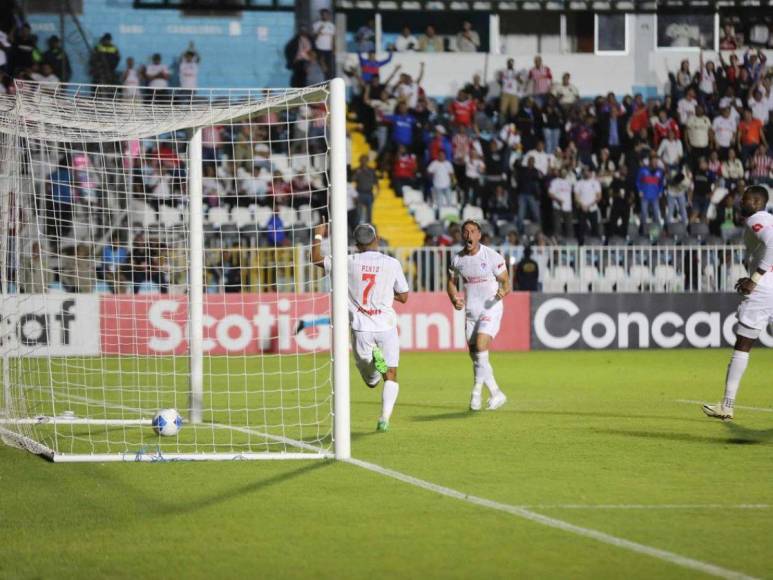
{"type": "Point", "coordinates": [167, 422]}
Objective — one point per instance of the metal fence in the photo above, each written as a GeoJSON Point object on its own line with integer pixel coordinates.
{"type": "Point", "coordinates": [561, 268]}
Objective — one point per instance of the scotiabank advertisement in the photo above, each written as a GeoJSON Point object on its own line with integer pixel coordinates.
{"type": "Point", "coordinates": [254, 323]}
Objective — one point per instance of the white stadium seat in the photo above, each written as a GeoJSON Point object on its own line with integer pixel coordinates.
{"type": "Point", "coordinates": [262, 215]}
{"type": "Point", "coordinates": [472, 212]}
{"type": "Point", "coordinates": [218, 216]}
{"type": "Point", "coordinates": [424, 215]}
{"type": "Point", "coordinates": [241, 216]}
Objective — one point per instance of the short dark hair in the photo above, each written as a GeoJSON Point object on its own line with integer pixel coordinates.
{"type": "Point", "coordinates": [471, 222]}
{"type": "Point", "coordinates": [757, 191]}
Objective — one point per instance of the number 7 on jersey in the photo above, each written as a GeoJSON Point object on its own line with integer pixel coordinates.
{"type": "Point", "coordinates": [371, 281]}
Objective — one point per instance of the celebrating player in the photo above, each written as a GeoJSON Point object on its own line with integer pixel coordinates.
{"type": "Point", "coordinates": [756, 309]}
{"type": "Point", "coordinates": [486, 283]}
{"type": "Point", "coordinates": [375, 280]}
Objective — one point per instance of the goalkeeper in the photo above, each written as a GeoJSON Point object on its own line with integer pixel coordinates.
{"type": "Point", "coordinates": [375, 281]}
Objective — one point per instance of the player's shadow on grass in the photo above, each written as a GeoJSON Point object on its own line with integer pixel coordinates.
{"type": "Point", "coordinates": [746, 438]}
{"type": "Point", "coordinates": [445, 416]}
{"type": "Point", "coordinates": [592, 414]}
{"type": "Point", "coordinates": [243, 490]}
{"type": "Point", "coordinates": [755, 435]}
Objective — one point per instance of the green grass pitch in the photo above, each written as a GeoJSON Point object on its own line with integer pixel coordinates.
{"type": "Point", "coordinates": [580, 429]}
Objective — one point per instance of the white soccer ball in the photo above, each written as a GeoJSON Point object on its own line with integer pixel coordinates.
{"type": "Point", "coordinates": [167, 422]}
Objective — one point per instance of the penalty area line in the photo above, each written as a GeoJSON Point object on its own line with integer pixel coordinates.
{"type": "Point", "coordinates": [550, 522]}
{"type": "Point", "coordinates": [745, 408]}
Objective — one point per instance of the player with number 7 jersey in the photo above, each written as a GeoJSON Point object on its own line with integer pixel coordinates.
{"type": "Point", "coordinates": [375, 282]}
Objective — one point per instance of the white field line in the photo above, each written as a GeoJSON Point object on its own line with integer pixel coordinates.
{"type": "Point", "coordinates": [665, 506]}
{"type": "Point", "coordinates": [758, 409]}
{"type": "Point", "coordinates": [535, 517]}
{"type": "Point", "coordinates": [246, 430]}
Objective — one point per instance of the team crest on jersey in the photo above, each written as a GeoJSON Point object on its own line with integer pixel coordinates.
{"type": "Point", "coordinates": [757, 227]}
{"type": "Point", "coordinates": [483, 266]}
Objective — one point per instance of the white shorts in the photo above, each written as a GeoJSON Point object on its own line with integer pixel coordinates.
{"type": "Point", "coordinates": [364, 341]}
{"type": "Point", "coordinates": [756, 309]}
{"type": "Point", "coordinates": [487, 323]}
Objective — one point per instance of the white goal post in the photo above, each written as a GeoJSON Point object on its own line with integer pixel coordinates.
{"type": "Point", "coordinates": [155, 253]}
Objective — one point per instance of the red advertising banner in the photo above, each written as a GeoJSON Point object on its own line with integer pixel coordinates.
{"type": "Point", "coordinates": [255, 323]}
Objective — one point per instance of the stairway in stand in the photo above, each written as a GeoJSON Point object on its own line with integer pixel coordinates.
{"type": "Point", "coordinates": [391, 217]}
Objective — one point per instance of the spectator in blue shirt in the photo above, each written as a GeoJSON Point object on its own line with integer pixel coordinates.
{"type": "Point", "coordinates": [370, 66]}
{"type": "Point", "coordinates": [650, 182]}
{"type": "Point", "coordinates": [403, 124]}
{"type": "Point", "coordinates": [275, 231]}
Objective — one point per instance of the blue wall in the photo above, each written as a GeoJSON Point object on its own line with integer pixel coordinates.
{"type": "Point", "coordinates": [240, 50]}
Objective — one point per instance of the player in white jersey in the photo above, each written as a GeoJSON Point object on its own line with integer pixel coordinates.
{"type": "Point", "coordinates": [486, 283]}
{"type": "Point", "coordinates": [375, 281]}
{"type": "Point", "coordinates": [756, 309]}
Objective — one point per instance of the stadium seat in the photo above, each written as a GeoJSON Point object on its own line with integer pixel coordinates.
{"type": "Point", "coordinates": [700, 230]}
{"type": "Point", "coordinates": [561, 279]}
{"type": "Point", "coordinates": [588, 278]}
{"type": "Point", "coordinates": [218, 216]}
{"type": "Point", "coordinates": [677, 230]}
{"type": "Point", "coordinates": [639, 279]}
{"type": "Point", "coordinates": [612, 280]}
{"type": "Point", "coordinates": [288, 215]}
{"type": "Point", "coordinates": [734, 273]}
{"type": "Point", "coordinates": [262, 215]}
{"type": "Point", "coordinates": [472, 212]}
{"type": "Point", "coordinates": [424, 216]}
{"type": "Point", "coordinates": [448, 213]}
{"type": "Point", "coordinates": [531, 230]}
{"type": "Point", "coordinates": [169, 217]}
{"type": "Point", "coordinates": [241, 216]}
{"type": "Point", "coordinates": [667, 279]}
{"type": "Point", "coordinates": [307, 216]}
{"type": "Point", "coordinates": [141, 214]}
{"type": "Point", "coordinates": [412, 197]}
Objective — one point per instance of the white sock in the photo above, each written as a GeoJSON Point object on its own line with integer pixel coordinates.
{"type": "Point", "coordinates": [487, 373]}
{"type": "Point", "coordinates": [388, 399]}
{"type": "Point", "coordinates": [738, 363]}
{"type": "Point", "coordinates": [479, 366]}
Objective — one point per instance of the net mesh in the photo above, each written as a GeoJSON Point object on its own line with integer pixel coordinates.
{"type": "Point", "coordinates": [95, 260]}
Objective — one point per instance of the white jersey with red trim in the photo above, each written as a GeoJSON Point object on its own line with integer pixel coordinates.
{"type": "Point", "coordinates": [374, 278]}
{"type": "Point", "coordinates": [758, 237]}
{"type": "Point", "coordinates": [479, 273]}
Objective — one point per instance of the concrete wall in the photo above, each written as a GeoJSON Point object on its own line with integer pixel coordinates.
{"type": "Point", "coordinates": [238, 50]}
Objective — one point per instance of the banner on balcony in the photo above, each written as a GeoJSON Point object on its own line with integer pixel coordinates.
{"type": "Point", "coordinates": [633, 321]}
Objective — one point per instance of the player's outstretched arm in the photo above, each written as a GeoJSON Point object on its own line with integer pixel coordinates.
{"type": "Point", "coordinates": [316, 246]}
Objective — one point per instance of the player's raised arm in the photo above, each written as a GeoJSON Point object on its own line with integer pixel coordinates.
{"type": "Point", "coordinates": [316, 246]}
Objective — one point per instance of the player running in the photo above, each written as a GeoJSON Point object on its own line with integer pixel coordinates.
{"type": "Point", "coordinates": [486, 283]}
{"type": "Point", "coordinates": [756, 309]}
{"type": "Point", "coordinates": [375, 280]}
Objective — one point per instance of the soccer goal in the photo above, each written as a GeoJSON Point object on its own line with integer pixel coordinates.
{"type": "Point", "coordinates": [155, 254]}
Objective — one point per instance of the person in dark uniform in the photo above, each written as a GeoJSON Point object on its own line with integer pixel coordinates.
{"type": "Point", "coordinates": [526, 273]}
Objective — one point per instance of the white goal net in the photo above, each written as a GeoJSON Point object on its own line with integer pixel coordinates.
{"type": "Point", "coordinates": [154, 254]}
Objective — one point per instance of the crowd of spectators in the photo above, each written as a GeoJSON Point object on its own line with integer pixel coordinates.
{"type": "Point", "coordinates": [526, 148]}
